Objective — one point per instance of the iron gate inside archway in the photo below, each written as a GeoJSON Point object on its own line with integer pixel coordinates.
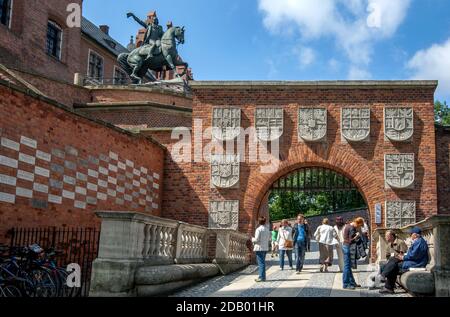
{"type": "Point", "coordinates": [314, 191]}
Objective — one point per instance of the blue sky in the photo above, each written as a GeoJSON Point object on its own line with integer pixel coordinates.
{"type": "Point", "coordinates": [299, 39]}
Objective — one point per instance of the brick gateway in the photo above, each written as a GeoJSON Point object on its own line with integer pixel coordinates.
{"type": "Point", "coordinates": [389, 153]}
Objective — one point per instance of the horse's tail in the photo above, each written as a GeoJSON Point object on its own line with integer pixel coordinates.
{"type": "Point", "coordinates": [122, 59]}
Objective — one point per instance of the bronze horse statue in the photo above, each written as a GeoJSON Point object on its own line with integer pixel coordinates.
{"type": "Point", "coordinates": [168, 57]}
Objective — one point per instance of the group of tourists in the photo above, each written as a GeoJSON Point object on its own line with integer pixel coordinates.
{"type": "Point", "coordinates": [351, 240]}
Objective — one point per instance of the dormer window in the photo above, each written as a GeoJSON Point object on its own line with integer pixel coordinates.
{"type": "Point", "coordinates": [111, 44]}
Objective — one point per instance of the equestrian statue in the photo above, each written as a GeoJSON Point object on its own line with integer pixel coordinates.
{"type": "Point", "coordinates": [158, 50]}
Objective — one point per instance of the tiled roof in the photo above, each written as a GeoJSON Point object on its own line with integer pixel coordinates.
{"type": "Point", "coordinates": [92, 31]}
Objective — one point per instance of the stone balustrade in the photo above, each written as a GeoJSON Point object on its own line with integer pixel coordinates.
{"type": "Point", "coordinates": [191, 244]}
{"type": "Point", "coordinates": [131, 242]}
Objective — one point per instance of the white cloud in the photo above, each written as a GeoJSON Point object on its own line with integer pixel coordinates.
{"type": "Point", "coordinates": [356, 73]}
{"type": "Point", "coordinates": [334, 65]}
{"type": "Point", "coordinates": [272, 69]}
{"type": "Point", "coordinates": [354, 24]}
{"type": "Point", "coordinates": [306, 55]}
{"type": "Point", "coordinates": [433, 63]}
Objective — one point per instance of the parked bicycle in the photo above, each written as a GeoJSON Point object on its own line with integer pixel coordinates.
{"type": "Point", "coordinates": [32, 272]}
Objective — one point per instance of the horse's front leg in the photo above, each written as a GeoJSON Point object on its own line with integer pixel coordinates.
{"type": "Point", "coordinates": [172, 65]}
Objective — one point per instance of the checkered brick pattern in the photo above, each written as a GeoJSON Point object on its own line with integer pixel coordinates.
{"type": "Point", "coordinates": [62, 174]}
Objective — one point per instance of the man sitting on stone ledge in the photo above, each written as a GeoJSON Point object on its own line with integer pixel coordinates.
{"type": "Point", "coordinates": [395, 245]}
{"type": "Point", "coordinates": [416, 257]}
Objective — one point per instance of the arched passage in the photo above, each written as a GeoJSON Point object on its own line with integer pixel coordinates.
{"type": "Point", "coordinates": [313, 191]}
{"type": "Point", "coordinates": [336, 159]}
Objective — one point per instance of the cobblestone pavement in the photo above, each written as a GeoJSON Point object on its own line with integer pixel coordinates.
{"type": "Point", "coordinates": [286, 283]}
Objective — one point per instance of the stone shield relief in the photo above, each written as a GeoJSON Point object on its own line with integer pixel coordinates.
{"type": "Point", "coordinates": [355, 123]}
{"type": "Point", "coordinates": [399, 170]}
{"type": "Point", "coordinates": [398, 123]}
{"type": "Point", "coordinates": [224, 214]}
{"type": "Point", "coordinates": [224, 170]}
{"type": "Point", "coordinates": [226, 123]}
{"type": "Point", "coordinates": [312, 124]}
{"type": "Point", "coordinates": [400, 213]}
{"type": "Point", "coordinates": [269, 123]}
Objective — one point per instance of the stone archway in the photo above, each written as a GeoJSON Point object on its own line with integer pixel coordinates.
{"type": "Point", "coordinates": [336, 159]}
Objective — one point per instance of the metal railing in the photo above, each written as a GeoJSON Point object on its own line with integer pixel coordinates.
{"type": "Point", "coordinates": [79, 245]}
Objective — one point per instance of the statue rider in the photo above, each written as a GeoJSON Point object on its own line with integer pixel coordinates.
{"type": "Point", "coordinates": [152, 40]}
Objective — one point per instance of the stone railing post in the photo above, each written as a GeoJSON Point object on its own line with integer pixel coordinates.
{"type": "Point", "coordinates": [231, 252]}
{"type": "Point", "coordinates": [120, 252]}
{"type": "Point", "coordinates": [127, 241]}
{"type": "Point", "coordinates": [381, 245]}
{"type": "Point", "coordinates": [121, 235]}
{"type": "Point", "coordinates": [222, 245]}
{"type": "Point", "coordinates": [441, 270]}
{"type": "Point", "coordinates": [78, 79]}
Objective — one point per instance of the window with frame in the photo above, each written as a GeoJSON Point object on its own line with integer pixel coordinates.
{"type": "Point", "coordinates": [120, 77]}
{"type": "Point", "coordinates": [54, 39]}
{"type": "Point", "coordinates": [5, 12]}
{"type": "Point", "coordinates": [95, 70]}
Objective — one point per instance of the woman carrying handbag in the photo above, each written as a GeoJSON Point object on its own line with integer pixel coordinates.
{"type": "Point", "coordinates": [285, 243]}
{"type": "Point", "coordinates": [261, 246]}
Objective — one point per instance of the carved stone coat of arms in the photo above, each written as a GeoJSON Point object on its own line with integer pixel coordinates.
{"type": "Point", "coordinates": [400, 213]}
{"type": "Point", "coordinates": [226, 123]}
{"type": "Point", "coordinates": [312, 124]}
{"type": "Point", "coordinates": [399, 170]}
{"type": "Point", "coordinates": [355, 123]}
{"type": "Point", "coordinates": [224, 214]}
{"type": "Point", "coordinates": [224, 170]}
{"type": "Point", "coordinates": [269, 123]}
{"type": "Point", "coordinates": [398, 123]}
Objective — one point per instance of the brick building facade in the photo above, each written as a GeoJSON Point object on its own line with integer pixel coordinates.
{"type": "Point", "coordinates": [23, 41]}
{"type": "Point", "coordinates": [58, 167]}
{"type": "Point", "coordinates": [36, 39]}
{"type": "Point", "coordinates": [443, 168]}
{"type": "Point", "coordinates": [362, 162]}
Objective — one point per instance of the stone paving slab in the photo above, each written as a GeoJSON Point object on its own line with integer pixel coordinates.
{"type": "Point", "coordinates": [310, 283]}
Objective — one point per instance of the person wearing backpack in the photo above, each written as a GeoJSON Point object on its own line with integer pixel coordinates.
{"type": "Point", "coordinates": [300, 242]}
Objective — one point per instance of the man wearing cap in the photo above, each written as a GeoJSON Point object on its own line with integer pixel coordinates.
{"type": "Point", "coordinates": [417, 256]}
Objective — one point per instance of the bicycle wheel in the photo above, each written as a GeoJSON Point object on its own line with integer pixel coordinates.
{"type": "Point", "coordinates": [64, 290]}
{"type": "Point", "coordinates": [44, 284]}
{"type": "Point", "coordinates": [10, 291]}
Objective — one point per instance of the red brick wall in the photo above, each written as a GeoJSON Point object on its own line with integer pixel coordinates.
{"type": "Point", "coordinates": [62, 92]}
{"type": "Point", "coordinates": [361, 162]}
{"type": "Point", "coordinates": [443, 168]}
{"type": "Point", "coordinates": [141, 118]}
{"type": "Point", "coordinates": [24, 45]}
{"type": "Point", "coordinates": [47, 150]}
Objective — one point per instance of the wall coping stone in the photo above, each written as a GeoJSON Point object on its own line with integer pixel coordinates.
{"type": "Point", "coordinates": [140, 89]}
{"type": "Point", "coordinates": [128, 104]}
{"type": "Point", "coordinates": [339, 84]}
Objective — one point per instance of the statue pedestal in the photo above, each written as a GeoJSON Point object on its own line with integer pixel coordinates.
{"type": "Point", "coordinates": [175, 85]}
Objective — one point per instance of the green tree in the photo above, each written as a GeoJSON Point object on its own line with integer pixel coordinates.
{"type": "Point", "coordinates": [442, 113]}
